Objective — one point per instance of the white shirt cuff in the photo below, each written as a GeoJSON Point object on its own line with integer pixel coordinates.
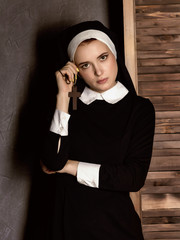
{"type": "Point", "coordinates": [88, 174]}
{"type": "Point", "coordinates": [59, 123]}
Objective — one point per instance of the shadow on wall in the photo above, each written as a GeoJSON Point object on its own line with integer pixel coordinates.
{"type": "Point", "coordinates": [34, 122]}
{"type": "Point", "coordinates": [35, 119]}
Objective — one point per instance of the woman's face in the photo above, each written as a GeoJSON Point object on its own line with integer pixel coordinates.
{"type": "Point", "coordinates": [97, 65]}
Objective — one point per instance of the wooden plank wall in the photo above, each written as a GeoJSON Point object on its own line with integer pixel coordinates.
{"type": "Point", "coordinates": [158, 53]}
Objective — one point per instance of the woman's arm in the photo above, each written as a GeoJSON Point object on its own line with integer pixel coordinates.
{"type": "Point", "coordinates": [55, 148]}
{"type": "Point", "coordinates": [131, 175]}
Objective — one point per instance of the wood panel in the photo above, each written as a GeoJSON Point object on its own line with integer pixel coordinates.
{"type": "Point", "coordinates": [158, 54]}
{"type": "Point", "coordinates": [165, 163]}
{"type": "Point", "coordinates": [158, 15]}
{"type": "Point", "coordinates": [153, 2]}
{"type": "Point", "coordinates": [159, 38]}
{"type": "Point", "coordinates": [156, 23]}
{"type": "Point", "coordinates": [158, 8]}
{"type": "Point", "coordinates": [158, 31]}
{"type": "Point", "coordinates": [166, 137]}
{"type": "Point", "coordinates": [160, 201]}
{"type": "Point", "coordinates": [159, 62]}
{"type": "Point", "coordinates": [158, 59]}
{"type": "Point", "coordinates": [159, 76]}
{"type": "Point", "coordinates": [166, 152]}
{"type": "Point", "coordinates": [159, 88]}
{"type": "Point", "coordinates": [163, 235]}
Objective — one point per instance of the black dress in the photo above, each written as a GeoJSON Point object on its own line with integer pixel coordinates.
{"type": "Point", "coordinates": [119, 137]}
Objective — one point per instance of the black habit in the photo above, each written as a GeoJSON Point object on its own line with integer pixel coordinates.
{"type": "Point", "coordinates": [119, 137]}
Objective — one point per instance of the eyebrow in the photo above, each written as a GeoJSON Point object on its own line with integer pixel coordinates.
{"type": "Point", "coordinates": [104, 53]}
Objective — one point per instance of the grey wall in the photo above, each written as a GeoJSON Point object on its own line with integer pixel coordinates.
{"type": "Point", "coordinates": [27, 31]}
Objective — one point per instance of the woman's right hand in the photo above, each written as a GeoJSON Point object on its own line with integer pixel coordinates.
{"type": "Point", "coordinates": [69, 71]}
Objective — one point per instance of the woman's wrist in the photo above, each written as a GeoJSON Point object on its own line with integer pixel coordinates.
{"type": "Point", "coordinates": [62, 101]}
{"type": "Point", "coordinates": [70, 168]}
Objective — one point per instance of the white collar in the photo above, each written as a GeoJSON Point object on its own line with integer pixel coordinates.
{"type": "Point", "coordinates": [112, 95]}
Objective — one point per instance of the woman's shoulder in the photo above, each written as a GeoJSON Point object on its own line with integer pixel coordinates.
{"type": "Point", "coordinates": [142, 102]}
{"type": "Point", "coordinates": [143, 107]}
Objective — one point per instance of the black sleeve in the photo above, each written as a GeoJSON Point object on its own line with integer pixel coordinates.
{"type": "Point", "coordinates": [51, 159]}
{"type": "Point", "coordinates": [131, 175]}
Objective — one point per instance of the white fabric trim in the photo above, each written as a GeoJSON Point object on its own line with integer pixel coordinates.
{"type": "Point", "coordinates": [88, 174]}
{"type": "Point", "coordinates": [59, 123]}
{"type": "Point", "coordinates": [88, 34]}
{"type": "Point", "coordinates": [113, 95]}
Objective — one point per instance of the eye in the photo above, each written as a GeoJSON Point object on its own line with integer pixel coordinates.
{"type": "Point", "coordinates": [104, 57]}
{"type": "Point", "coordinates": [86, 65]}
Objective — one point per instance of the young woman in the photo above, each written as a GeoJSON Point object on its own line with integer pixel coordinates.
{"type": "Point", "coordinates": [102, 150]}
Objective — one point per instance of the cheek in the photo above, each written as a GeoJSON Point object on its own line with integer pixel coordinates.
{"type": "Point", "coordinates": [87, 76]}
{"type": "Point", "coordinates": [113, 67]}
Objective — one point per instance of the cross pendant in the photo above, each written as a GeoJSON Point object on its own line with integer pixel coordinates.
{"type": "Point", "coordinates": [74, 94]}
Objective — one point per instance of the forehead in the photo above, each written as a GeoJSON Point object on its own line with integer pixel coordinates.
{"type": "Point", "coordinates": [91, 47]}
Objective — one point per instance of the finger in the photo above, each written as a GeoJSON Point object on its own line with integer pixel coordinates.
{"type": "Point", "coordinates": [45, 169]}
{"type": "Point", "coordinates": [68, 73]}
{"type": "Point", "coordinates": [76, 70]}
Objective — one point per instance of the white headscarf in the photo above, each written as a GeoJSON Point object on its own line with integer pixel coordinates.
{"type": "Point", "coordinates": [88, 34]}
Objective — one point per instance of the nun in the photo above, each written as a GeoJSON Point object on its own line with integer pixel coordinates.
{"type": "Point", "coordinates": [100, 151]}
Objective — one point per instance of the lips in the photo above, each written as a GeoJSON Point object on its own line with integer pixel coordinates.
{"type": "Point", "coordinates": [101, 81]}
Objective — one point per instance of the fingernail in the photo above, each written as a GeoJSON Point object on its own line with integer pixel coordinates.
{"type": "Point", "coordinates": [77, 69]}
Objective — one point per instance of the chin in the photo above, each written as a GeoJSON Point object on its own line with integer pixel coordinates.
{"type": "Point", "coordinates": [102, 89]}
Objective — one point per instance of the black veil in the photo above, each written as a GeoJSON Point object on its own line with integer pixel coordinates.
{"type": "Point", "coordinates": [67, 35]}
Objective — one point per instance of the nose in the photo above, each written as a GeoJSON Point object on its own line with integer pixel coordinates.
{"type": "Point", "coordinates": [98, 70]}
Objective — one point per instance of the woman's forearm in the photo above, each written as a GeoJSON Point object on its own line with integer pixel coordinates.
{"type": "Point", "coordinates": [62, 101]}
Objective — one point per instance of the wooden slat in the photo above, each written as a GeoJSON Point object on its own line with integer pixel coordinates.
{"type": "Point", "coordinates": [166, 137]}
{"type": "Point", "coordinates": [159, 201]}
{"type": "Point", "coordinates": [165, 99]}
{"type": "Point", "coordinates": [160, 220]}
{"type": "Point", "coordinates": [159, 69]}
{"type": "Point", "coordinates": [159, 39]}
{"type": "Point", "coordinates": [166, 152]}
{"type": "Point", "coordinates": [167, 122]}
{"type": "Point", "coordinates": [167, 106]}
{"type": "Point", "coordinates": [162, 235]}
{"type": "Point", "coordinates": [167, 129]}
{"type": "Point", "coordinates": [168, 115]}
{"type": "Point", "coordinates": [162, 182]}
{"type": "Point", "coordinates": [157, 31]}
{"type": "Point", "coordinates": [157, 46]}
{"type": "Point", "coordinates": [162, 212]}
{"type": "Point", "coordinates": [158, 8]}
{"type": "Point", "coordinates": [173, 38]}
{"type": "Point", "coordinates": [153, 2]}
{"type": "Point", "coordinates": [166, 144]}
{"type": "Point", "coordinates": [159, 77]}
{"type": "Point", "coordinates": [159, 88]}
{"type": "Point", "coordinates": [161, 189]}
{"type": "Point", "coordinates": [159, 62]}
{"type": "Point", "coordinates": [158, 54]}
{"type": "Point", "coordinates": [158, 15]}
{"type": "Point", "coordinates": [161, 227]}
{"type": "Point", "coordinates": [162, 175]}
{"type": "Point", "coordinates": [166, 103]}
{"type": "Point", "coordinates": [146, 23]}
{"type": "Point", "coordinates": [165, 163]}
